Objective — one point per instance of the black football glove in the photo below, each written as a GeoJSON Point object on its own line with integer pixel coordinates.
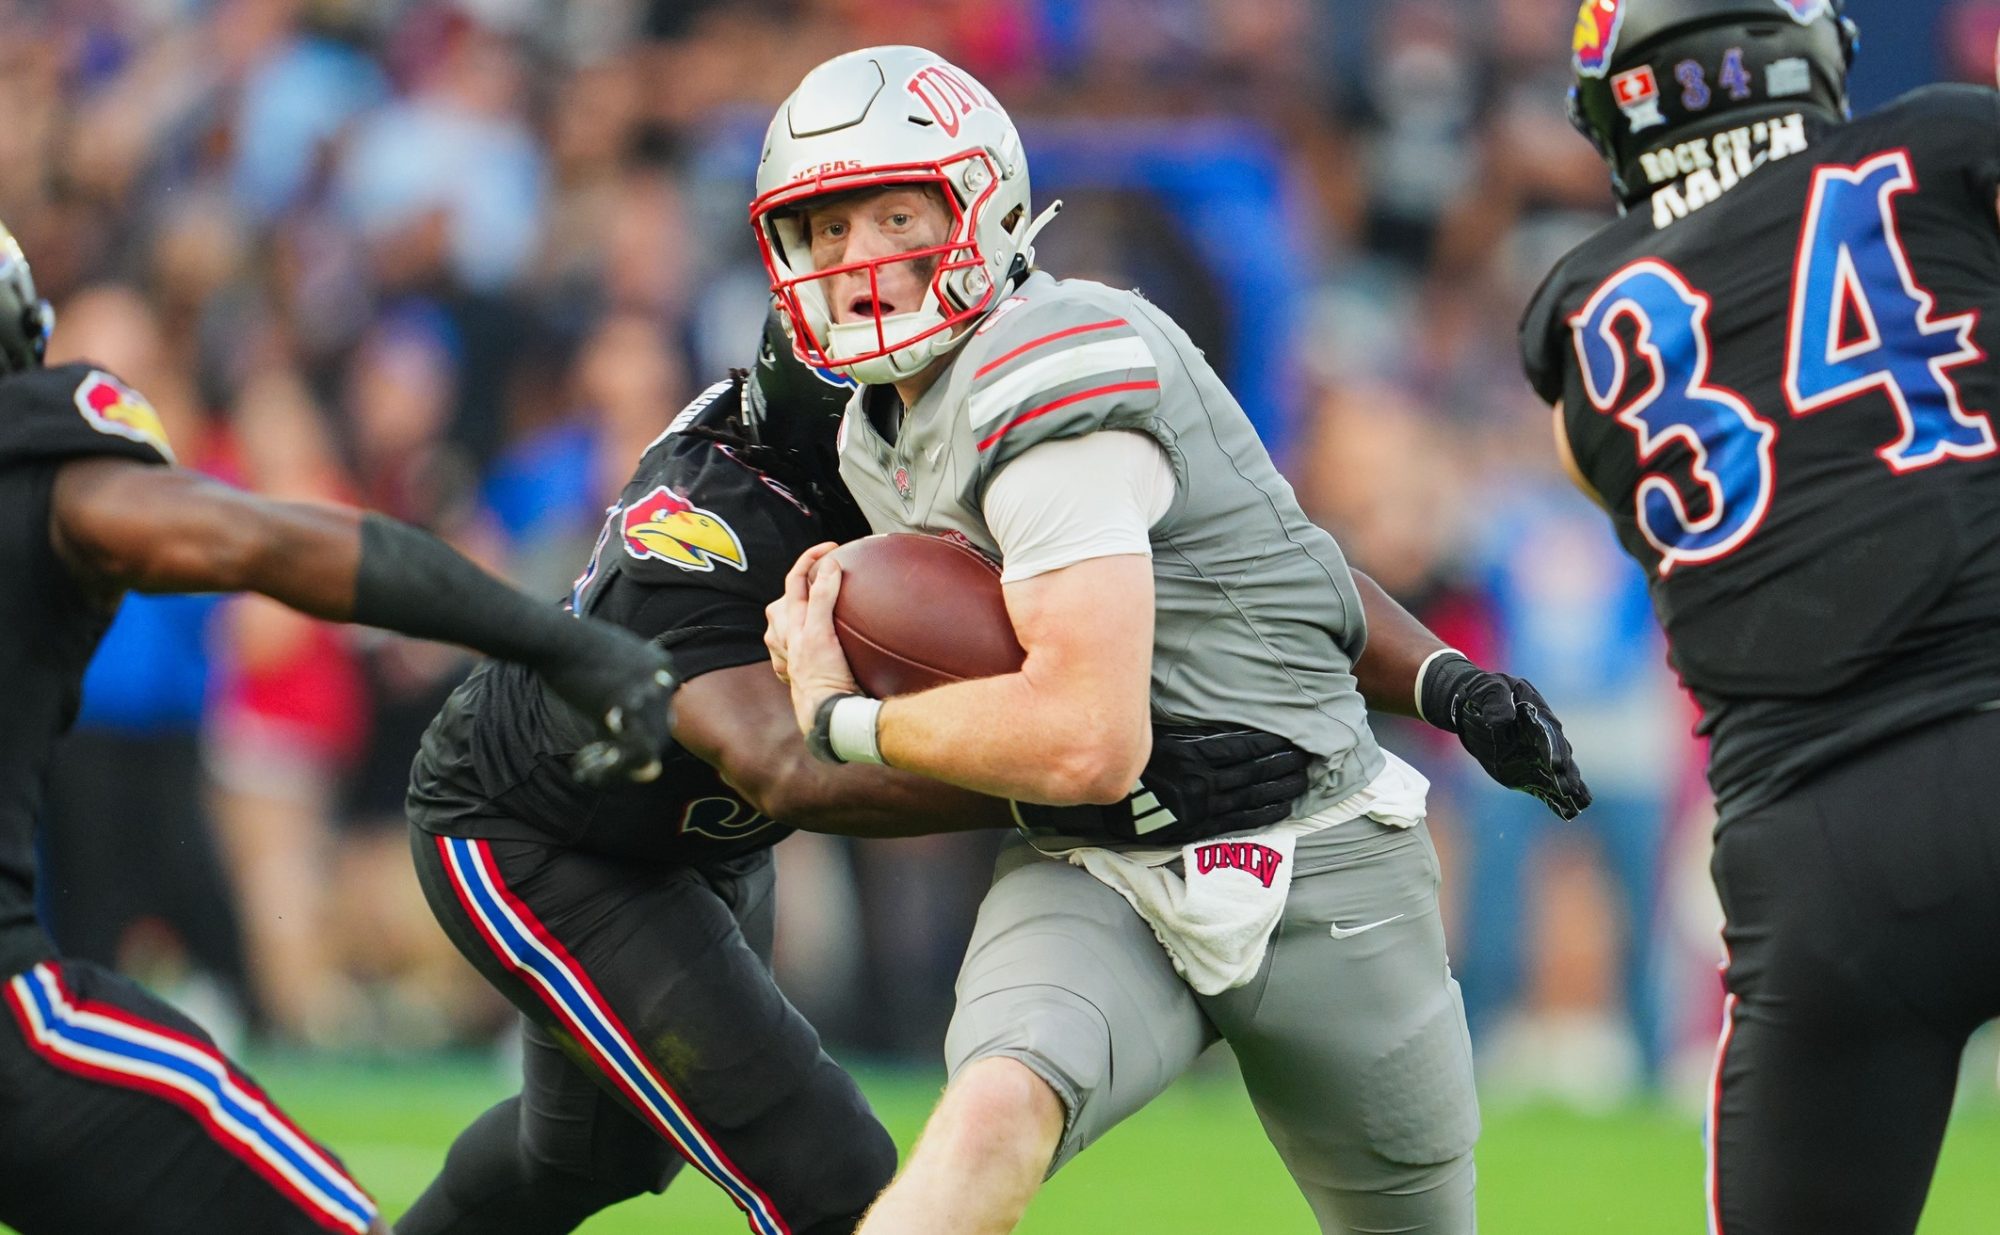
{"type": "Point", "coordinates": [1506, 725]}
{"type": "Point", "coordinates": [1197, 784]}
{"type": "Point", "coordinates": [1219, 780]}
{"type": "Point", "coordinates": [625, 687]}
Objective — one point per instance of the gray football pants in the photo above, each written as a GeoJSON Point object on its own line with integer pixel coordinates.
{"type": "Point", "coordinates": [1354, 1050]}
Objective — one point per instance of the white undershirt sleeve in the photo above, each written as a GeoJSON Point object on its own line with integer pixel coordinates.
{"type": "Point", "coordinates": [1078, 498]}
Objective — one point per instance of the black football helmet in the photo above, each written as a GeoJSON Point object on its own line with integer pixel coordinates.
{"type": "Point", "coordinates": [1652, 73]}
{"type": "Point", "coordinates": [781, 386]}
{"type": "Point", "coordinates": [25, 318]}
{"type": "Point", "coordinates": [790, 414]}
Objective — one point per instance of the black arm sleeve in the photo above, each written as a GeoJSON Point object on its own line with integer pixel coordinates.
{"type": "Point", "coordinates": [413, 583]}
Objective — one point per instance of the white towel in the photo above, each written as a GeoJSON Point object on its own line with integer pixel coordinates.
{"type": "Point", "coordinates": [1216, 918]}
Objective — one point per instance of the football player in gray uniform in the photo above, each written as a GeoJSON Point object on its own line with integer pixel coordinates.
{"type": "Point", "coordinates": [1158, 572]}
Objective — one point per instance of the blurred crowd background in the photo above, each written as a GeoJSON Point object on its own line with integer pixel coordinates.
{"type": "Point", "coordinates": [459, 260]}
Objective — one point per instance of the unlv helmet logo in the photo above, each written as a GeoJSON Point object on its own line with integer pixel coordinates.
{"type": "Point", "coordinates": [949, 95]}
{"type": "Point", "coordinates": [1596, 35]}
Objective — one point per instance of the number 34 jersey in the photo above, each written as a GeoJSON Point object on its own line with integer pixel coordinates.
{"type": "Point", "coordinates": [1776, 374]}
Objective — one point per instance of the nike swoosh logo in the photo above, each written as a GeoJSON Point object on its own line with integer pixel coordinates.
{"type": "Point", "coordinates": [1348, 932]}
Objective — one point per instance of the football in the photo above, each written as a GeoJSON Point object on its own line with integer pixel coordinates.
{"type": "Point", "coordinates": [919, 611]}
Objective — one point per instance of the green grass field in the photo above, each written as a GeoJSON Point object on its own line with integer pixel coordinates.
{"type": "Point", "coordinates": [1195, 1161]}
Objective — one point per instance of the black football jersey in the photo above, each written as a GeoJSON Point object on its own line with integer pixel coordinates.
{"type": "Point", "coordinates": [1776, 374]}
{"type": "Point", "coordinates": [697, 544]}
{"type": "Point", "coordinates": [48, 626]}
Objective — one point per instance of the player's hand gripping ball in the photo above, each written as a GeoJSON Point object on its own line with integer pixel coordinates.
{"type": "Point", "coordinates": [915, 612]}
{"type": "Point", "coordinates": [888, 615]}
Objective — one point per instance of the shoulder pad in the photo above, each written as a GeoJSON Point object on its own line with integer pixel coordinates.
{"type": "Point", "coordinates": [664, 515]}
{"type": "Point", "coordinates": [75, 410]}
{"type": "Point", "coordinates": [712, 406]}
{"type": "Point", "coordinates": [1061, 361]}
{"type": "Point", "coordinates": [1947, 103]}
{"type": "Point", "coordinates": [1952, 125]}
{"type": "Point", "coordinates": [707, 505]}
{"type": "Point", "coordinates": [1541, 343]}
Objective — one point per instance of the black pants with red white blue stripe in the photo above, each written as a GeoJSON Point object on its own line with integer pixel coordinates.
{"type": "Point", "coordinates": [1862, 919]}
{"type": "Point", "coordinates": [119, 1114]}
{"type": "Point", "coordinates": [656, 1038]}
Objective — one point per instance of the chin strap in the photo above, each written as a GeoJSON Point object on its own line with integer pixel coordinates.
{"type": "Point", "coordinates": [1024, 242]}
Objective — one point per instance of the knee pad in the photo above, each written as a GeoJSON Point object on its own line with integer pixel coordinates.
{"type": "Point", "coordinates": [617, 1178]}
{"type": "Point", "coordinates": [1419, 1107]}
{"type": "Point", "coordinates": [610, 1153]}
{"type": "Point", "coordinates": [832, 1156]}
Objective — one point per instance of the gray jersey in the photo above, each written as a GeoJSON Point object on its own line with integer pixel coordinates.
{"type": "Point", "coordinates": [1257, 619]}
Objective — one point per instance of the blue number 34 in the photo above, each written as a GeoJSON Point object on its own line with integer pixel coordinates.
{"type": "Point", "coordinates": [1860, 322]}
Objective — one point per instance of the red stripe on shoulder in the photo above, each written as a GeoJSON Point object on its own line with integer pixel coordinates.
{"type": "Point", "coordinates": [1032, 344]}
{"type": "Point", "coordinates": [1065, 401]}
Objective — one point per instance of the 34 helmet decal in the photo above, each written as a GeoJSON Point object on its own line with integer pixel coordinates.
{"type": "Point", "coordinates": [1597, 23]}
{"type": "Point", "coordinates": [666, 526]}
{"type": "Point", "coordinates": [115, 408]}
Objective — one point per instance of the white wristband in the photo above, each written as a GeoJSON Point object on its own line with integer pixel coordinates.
{"type": "Point", "coordinates": [1426, 668]}
{"type": "Point", "coordinates": [850, 730]}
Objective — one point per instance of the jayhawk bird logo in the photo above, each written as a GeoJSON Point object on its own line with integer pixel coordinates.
{"type": "Point", "coordinates": [113, 407]}
{"type": "Point", "coordinates": [666, 526]}
{"type": "Point", "coordinates": [1596, 34]}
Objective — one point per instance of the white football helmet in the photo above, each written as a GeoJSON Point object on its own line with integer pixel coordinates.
{"type": "Point", "coordinates": [894, 116]}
